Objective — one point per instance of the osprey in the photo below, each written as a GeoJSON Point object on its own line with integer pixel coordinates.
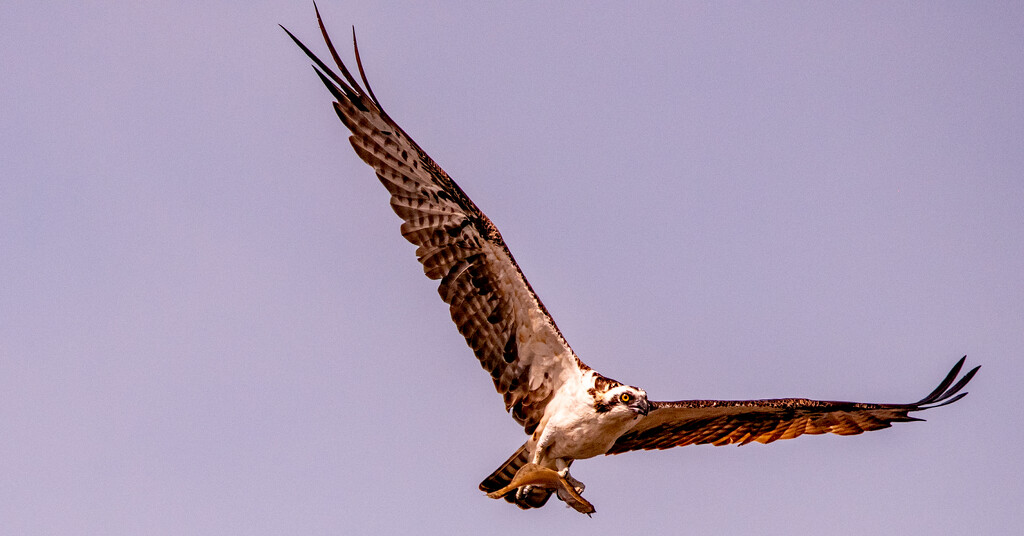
{"type": "Point", "coordinates": [568, 410]}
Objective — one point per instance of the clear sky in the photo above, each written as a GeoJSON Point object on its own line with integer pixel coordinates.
{"type": "Point", "coordinates": [209, 323]}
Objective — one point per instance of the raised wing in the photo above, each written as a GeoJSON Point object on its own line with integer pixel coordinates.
{"type": "Point", "coordinates": [721, 422]}
{"type": "Point", "coordinates": [491, 302]}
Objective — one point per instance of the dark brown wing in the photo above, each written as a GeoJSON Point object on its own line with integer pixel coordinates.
{"type": "Point", "coordinates": [491, 302]}
{"type": "Point", "coordinates": [721, 422]}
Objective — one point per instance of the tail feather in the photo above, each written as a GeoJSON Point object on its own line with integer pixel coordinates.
{"type": "Point", "coordinates": [503, 475]}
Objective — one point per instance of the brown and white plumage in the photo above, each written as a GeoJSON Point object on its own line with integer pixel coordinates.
{"type": "Point", "coordinates": [490, 301]}
{"type": "Point", "coordinates": [568, 410]}
{"type": "Point", "coordinates": [724, 422]}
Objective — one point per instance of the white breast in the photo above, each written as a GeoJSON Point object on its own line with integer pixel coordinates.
{"type": "Point", "coordinates": [575, 430]}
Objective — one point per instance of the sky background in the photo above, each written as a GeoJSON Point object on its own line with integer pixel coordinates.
{"type": "Point", "coordinates": [209, 323]}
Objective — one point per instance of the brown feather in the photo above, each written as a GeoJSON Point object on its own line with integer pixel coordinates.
{"type": "Point", "coordinates": [492, 304]}
{"type": "Point", "coordinates": [724, 422]}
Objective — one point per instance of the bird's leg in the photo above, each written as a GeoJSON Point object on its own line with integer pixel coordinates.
{"type": "Point", "coordinates": [523, 491]}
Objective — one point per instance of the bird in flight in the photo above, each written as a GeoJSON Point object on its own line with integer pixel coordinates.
{"type": "Point", "coordinates": [567, 410]}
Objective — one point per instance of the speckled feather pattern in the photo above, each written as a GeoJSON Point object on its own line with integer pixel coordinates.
{"type": "Point", "coordinates": [490, 301]}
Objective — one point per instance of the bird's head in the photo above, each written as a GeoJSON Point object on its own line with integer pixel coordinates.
{"type": "Point", "coordinates": [627, 398]}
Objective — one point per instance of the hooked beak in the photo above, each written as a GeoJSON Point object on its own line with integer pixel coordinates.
{"type": "Point", "coordinates": [644, 407]}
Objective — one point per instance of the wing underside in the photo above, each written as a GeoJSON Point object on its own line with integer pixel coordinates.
{"type": "Point", "coordinates": [723, 422]}
{"type": "Point", "coordinates": [490, 300]}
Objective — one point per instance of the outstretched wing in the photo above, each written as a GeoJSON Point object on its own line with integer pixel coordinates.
{"type": "Point", "coordinates": [491, 302]}
{"type": "Point", "coordinates": [721, 422]}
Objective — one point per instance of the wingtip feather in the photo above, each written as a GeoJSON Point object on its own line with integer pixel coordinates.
{"type": "Point", "coordinates": [947, 391]}
{"type": "Point", "coordinates": [362, 73]}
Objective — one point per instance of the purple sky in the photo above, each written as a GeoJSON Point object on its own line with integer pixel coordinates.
{"type": "Point", "coordinates": [209, 323]}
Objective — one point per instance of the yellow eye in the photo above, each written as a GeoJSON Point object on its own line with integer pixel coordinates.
{"type": "Point", "coordinates": [625, 398]}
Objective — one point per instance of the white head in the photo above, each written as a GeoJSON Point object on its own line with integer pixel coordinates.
{"type": "Point", "coordinates": [623, 398]}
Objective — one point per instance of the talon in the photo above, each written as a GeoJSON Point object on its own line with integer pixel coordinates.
{"type": "Point", "coordinates": [576, 484]}
{"type": "Point", "coordinates": [531, 475]}
{"type": "Point", "coordinates": [522, 492]}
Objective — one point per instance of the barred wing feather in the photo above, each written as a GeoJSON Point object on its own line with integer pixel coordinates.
{"type": "Point", "coordinates": [490, 300]}
{"type": "Point", "coordinates": [723, 422]}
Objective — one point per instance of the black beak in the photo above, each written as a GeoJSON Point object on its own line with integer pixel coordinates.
{"type": "Point", "coordinates": [645, 407]}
